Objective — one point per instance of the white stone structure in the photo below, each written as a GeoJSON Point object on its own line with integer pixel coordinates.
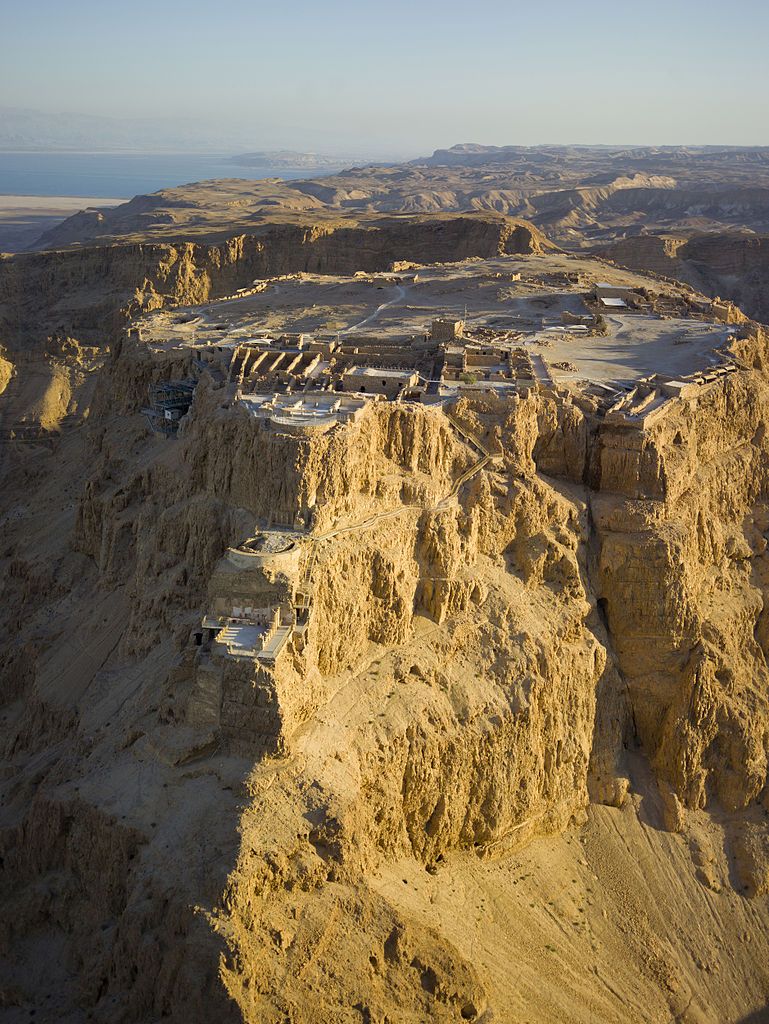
{"type": "Point", "coordinates": [307, 413]}
{"type": "Point", "coordinates": [379, 380]}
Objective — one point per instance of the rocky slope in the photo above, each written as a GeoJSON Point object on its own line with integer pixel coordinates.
{"type": "Point", "coordinates": [629, 203]}
{"type": "Point", "coordinates": [580, 195]}
{"type": "Point", "coordinates": [517, 769]}
{"type": "Point", "coordinates": [733, 265]}
{"type": "Point", "coordinates": [89, 292]}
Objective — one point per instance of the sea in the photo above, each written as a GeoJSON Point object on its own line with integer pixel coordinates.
{"type": "Point", "coordinates": [122, 175]}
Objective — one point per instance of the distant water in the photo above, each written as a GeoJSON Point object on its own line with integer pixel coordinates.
{"type": "Point", "coordinates": [120, 175]}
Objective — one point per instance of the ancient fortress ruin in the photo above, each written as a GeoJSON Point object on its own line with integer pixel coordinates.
{"type": "Point", "coordinates": [310, 390]}
{"type": "Point", "coordinates": [386, 645]}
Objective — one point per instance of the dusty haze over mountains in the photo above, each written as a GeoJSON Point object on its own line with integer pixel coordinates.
{"type": "Point", "coordinates": [345, 77]}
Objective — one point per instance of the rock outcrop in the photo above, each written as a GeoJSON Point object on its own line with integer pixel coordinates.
{"type": "Point", "coordinates": [90, 292]}
{"type": "Point", "coordinates": [564, 651]}
{"type": "Point", "coordinates": [732, 265]}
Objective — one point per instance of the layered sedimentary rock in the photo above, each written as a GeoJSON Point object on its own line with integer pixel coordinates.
{"type": "Point", "coordinates": [682, 580]}
{"type": "Point", "coordinates": [94, 289]}
{"type": "Point", "coordinates": [577, 629]}
{"type": "Point", "coordinates": [731, 265]}
{"type": "Point", "coordinates": [578, 194]}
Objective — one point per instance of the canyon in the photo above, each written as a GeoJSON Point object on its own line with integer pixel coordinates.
{"type": "Point", "coordinates": [635, 206]}
{"type": "Point", "coordinates": [510, 761]}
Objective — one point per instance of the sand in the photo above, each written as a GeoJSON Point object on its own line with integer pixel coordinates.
{"type": "Point", "coordinates": [24, 218]}
{"type": "Point", "coordinates": [482, 293]}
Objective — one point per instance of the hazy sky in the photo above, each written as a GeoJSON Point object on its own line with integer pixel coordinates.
{"type": "Point", "coordinates": [401, 77]}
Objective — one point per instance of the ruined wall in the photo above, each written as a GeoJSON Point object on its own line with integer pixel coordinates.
{"type": "Point", "coordinates": [727, 264]}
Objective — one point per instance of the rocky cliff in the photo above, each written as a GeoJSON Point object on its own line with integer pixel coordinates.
{"type": "Point", "coordinates": [529, 711]}
{"type": "Point", "coordinates": [733, 266]}
{"type": "Point", "coordinates": [90, 292]}
{"type": "Point", "coordinates": [61, 311]}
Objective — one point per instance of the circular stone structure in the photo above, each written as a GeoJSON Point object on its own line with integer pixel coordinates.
{"type": "Point", "coordinates": [278, 548]}
{"type": "Point", "coordinates": [306, 425]}
{"type": "Point", "coordinates": [268, 541]}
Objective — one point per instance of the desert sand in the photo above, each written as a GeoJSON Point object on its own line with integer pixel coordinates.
{"type": "Point", "coordinates": [24, 218]}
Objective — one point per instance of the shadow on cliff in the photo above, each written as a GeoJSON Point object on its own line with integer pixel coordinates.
{"type": "Point", "coordinates": [119, 858]}
{"type": "Point", "coordinates": [757, 1017]}
{"type": "Point", "coordinates": [618, 763]}
{"type": "Point", "coordinates": [643, 782]}
{"type": "Point", "coordinates": [614, 732]}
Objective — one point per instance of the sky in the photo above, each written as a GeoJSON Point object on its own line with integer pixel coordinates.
{"type": "Point", "coordinates": [402, 77]}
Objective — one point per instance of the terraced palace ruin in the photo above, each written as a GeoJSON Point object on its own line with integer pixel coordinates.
{"type": "Point", "coordinates": [441, 338]}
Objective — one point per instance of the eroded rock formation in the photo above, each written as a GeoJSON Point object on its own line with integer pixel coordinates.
{"type": "Point", "coordinates": [577, 633]}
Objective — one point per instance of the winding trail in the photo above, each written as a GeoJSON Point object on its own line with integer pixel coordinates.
{"type": "Point", "coordinates": [378, 311]}
{"type": "Point", "coordinates": [444, 502]}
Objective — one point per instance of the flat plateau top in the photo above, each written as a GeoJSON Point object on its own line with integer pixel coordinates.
{"type": "Point", "coordinates": [636, 346]}
{"type": "Point", "coordinates": [520, 300]}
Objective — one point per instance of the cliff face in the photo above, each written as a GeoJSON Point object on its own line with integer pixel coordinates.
{"type": "Point", "coordinates": [733, 266]}
{"type": "Point", "coordinates": [389, 458]}
{"type": "Point", "coordinates": [578, 634]}
{"type": "Point", "coordinates": [576, 193]}
{"type": "Point", "coordinates": [442, 623]}
{"type": "Point", "coordinates": [91, 291]}
{"type": "Point", "coordinates": [643, 615]}
{"type": "Point", "coordinates": [61, 311]}
{"type": "Point", "coordinates": [683, 581]}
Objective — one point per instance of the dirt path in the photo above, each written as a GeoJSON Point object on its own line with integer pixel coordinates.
{"type": "Point", "coordinates": [443, 502]}
{"type": "Point", "coordinates": [378, 311]}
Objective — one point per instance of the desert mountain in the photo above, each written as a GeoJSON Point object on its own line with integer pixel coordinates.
{"type": "Point", "coordinates": [386, 593]}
